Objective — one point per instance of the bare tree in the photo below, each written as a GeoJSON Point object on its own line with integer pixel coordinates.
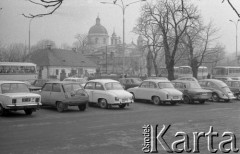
{"type": "Point", "coordinates": [81, 43]}
{"type": "Point", "coordinates": [232, 6]}
{"type": "Point", "coordinates": [42, 44]}
{"type": "Point", "coordinates": [53, 4]}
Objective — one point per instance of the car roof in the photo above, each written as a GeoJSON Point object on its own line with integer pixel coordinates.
{"type": "Point", "coordinates": [184, 81]}
{"type": "Point", "coordinates": [214, 80]}
{"type": "Point", "coordinates": [2, 82]}
{"type": "Point", "coordinates": [103, 80]}
{"type": "Point", "coordinates": [157, 80]}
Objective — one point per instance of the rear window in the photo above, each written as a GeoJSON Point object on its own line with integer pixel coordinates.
{"type": "Point", "coordinates": [14, 88]}
{"type": "Point", "coordinates": [71, 87]}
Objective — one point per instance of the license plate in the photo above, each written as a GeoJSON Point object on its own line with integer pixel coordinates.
{"type": "Point", "coordinates": [175, 97]}
{"type": "Point", "coordinates": [26, 99]}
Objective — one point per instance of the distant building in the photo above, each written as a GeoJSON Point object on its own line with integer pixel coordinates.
{"type": "Point", "coordinates": [59, 63]}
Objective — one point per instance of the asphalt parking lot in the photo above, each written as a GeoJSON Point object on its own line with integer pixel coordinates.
{"type": "Point", "coordinates": [112, 130]}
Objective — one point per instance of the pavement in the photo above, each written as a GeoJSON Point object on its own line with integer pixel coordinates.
{"type": "Point", "coordinates": [114, 131]}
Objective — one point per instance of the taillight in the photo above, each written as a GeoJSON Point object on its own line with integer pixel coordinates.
{"type": "Point", "coordinates": [14, 101]}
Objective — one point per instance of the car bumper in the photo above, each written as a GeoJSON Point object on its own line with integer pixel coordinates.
{"type": "Point", "coordinates": [122, 102]}
{"type": "Point", "coordinates": [23, 107]}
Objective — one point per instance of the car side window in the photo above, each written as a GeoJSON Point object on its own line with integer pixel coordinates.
{"type": "Point", "coordinates": [47, 87]}
{"type": "Point", "coordinates": [99, 86]}
{"type": "Point", "coordinates": [152, 85]}
{"type": "Point", "coordinates": [90, 85]}
{"type": "Point", "coordinates": [144, 85]}
{"type": "Point", "coordinates": [56, 87]}
{"type": "Point", "coordinates": [202, 84]}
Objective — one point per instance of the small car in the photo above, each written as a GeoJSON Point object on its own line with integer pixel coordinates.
{"type": "Point", "coordinates": [38, 84]}
{"type": "Point", "coordinates": [157, 91]}
{"type": "Point", "coordinates": [234, 86]}
{"type": "Point", "coordinates": [107, 93]}
{"type": "Point", "coordinates": [220, 90]}
{"type": "Point", "coordinates": [15, 95]}
{"type": "Point", "coordinates": [62, 94]}
{"type": "Point", "coordinates": [130, 82]}
{"type": "Point", "coordinates": [192, 91]}
{"type": "Point", "coordinates": [82, 81]}
{"type": "Point", "coordinates": [188, 79]}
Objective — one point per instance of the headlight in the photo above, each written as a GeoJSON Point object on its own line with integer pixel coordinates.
{"type": "Point", "coordinates": [116, 99]}
{"type": "Point", "coordinates": [14, 101]}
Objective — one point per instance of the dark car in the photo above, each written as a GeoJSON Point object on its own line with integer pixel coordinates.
{"type": "Point", "coordinates": [234, 86]}
{"type": "Point", "coordinates": [130, 82]}
{"type": "Point", "coordinates": [192, 91]}
{"type": "Point", "coordinates": [38, 84]}
{"type": "Point", "coordinates": [62, 94]}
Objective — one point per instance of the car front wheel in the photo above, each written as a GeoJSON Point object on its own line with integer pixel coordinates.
{"type": "Point", "coordinates": [187, 100]}
{"type": "Point", "coordinates": [28, 111]}
{"type": "Point", "coordinates": [215, 97]}
{"type": "Point", "coordinates": [82, 107]}
{"type": "Point", "coordinates": [103, 103]}
{"type": "Point", "coordinates": [202, 102]}
{"type": "Point", "coordinates": [122, 106]}
{"type": "Point", "coordinates": [60, 107]}
{"type": "Point", "coordinates": [156, 100]}
{"type": "Point", "coordinates": [238, 96]}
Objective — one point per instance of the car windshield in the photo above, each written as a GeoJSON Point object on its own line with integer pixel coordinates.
{"type": "Point", "coordinates": [194, 85]}
{"type": "Point", "coordinates": [71, 87]}
{"type": "Point", "coordinates": [165, 85]}
{"type": "Point", "coordinates": [136, 80]}
{"type": "Point", "coordinates": [113, 86]}
{"type": "Point", "coordinates": [14, 88]}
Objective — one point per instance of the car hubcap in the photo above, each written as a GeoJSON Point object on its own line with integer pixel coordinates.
{"type": "Point", "coordinates": [156, 100]}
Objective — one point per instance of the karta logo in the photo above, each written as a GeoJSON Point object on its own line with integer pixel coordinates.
{"type": "Point", "coordinates": [154, 137]}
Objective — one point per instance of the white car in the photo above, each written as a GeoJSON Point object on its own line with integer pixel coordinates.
{"type": "Point", "coordinates": [15, 95]}
{"type": "Point", "coordinates": [157, 91]}
{"type": "Point", "coordinates": [107, 93]}
{"type": "Point", "coordinates": [82, 81]}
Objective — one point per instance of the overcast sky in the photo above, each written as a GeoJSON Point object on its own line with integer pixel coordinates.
{"type": "Point", "coordinates": [77, 16]}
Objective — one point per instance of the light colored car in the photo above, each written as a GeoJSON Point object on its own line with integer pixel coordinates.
{"type": "Point", "coordinates": [62, 94]}
{"type": "Point", "coordinates": [107, 93]}
{"type": "Point", "coordinates": [157, 78]}
{"type": "Point", "coordinates": [192, 91]}
{"type": "Point", "coordinates": [234, 86]}
{"type": "Point", "coordinates": [224, 79]}
{"type": "Point", "coordinates": [157, 91]}
{"type": "Point", "coordinates": [15, 95]}
{"type": "Point", "coordinates": [220, 89]}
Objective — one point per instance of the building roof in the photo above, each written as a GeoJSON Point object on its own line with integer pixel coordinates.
{"type": "Point", "coordinates": [97, 29]}
{"type": "Point", "coordinates": [60, 57]}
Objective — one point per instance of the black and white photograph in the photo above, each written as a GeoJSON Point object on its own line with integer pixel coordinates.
{"type": "Point", "coordinates": [119, 76]}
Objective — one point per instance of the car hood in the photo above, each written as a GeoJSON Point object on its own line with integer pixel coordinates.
{"type": "Point", "coordinates": [17, 95]}
{"type": "Point", "coordinates": [172, 91]}
{"type": "Point", "coordinates": [120, 93]}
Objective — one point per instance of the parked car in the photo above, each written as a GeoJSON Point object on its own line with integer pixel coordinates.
{"type": "Point", "coordinates": [188, 79]}
{"type": "Point", "coordinates": [157, 91]}
{"type": "Point", "coordinates": [192, 91]}
{"type": "Point", "coordinates": [15, 95]}
{"type": "Point", "coordinates": [38, 84]}
{"type": "Point", "coordinates": [220, 89]}
{"type": "Point", "coordinates": [62, 94]}
{"type": "Point", "coordinates": [107, 93]}
{"type": "Point", "coordinates": [235, 78]}
{"type": "Point", "coordinates": [130, 82]}
{"type": "Point", "coordinates": [234, 86]}
{"type": "Point", "coordinates": [224, 79]}
{"type": "Point", "coordinates": [82, 81]}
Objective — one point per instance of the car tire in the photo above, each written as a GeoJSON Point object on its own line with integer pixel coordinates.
{"type": "Point", "coordinates": [60, 107]}
{"type": "Point", "coordinates": [28, 111]}
{"type": "Point", "coordinates": [103, 103]}
{"type": "Point", "coordinates": [238, 96]}
{"type": "Point", "coordinates": [173, 103]}
{"type": "Point", "coordinates": [156, 100]}
{"type": "Point", "coordinates": [215, 97]}
{"type": "Point", "coordinates": [227, 100]}
{"type": "Point", "coordinates": [122, 106]}
{"type": "Point", "coordinates": [202, 102]}
{"type": "Point", "coordinates": [2, 111]}
{"type": "Point", "coordinates": [187, 100]}
{"type": "Point", "coordinates": [82, 107]}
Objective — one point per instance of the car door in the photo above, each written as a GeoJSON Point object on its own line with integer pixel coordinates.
{"type": "Point", "coordinates": [98, 92]}
{"type": "Point", "coordinates": [56, 93]}
{"type": "Point", "coordinates": [46, 93]}
{"type": "Point", "coordinates": [89, 87]}
{"type": "Point", "coordinates": [140, 92]}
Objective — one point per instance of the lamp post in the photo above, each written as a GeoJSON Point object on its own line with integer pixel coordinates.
{"type": "Point", "coordinates": [123, 6]}
{"type": "Point", "coordinates": [29, 35]}
{"type": "Point", "coordinates": [236, 26]}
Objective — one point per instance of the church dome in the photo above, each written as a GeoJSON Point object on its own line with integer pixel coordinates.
{"type": "Point", "coordinates": [97, 29]}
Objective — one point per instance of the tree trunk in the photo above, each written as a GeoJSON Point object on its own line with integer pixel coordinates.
{"type": "Point", "coordinates": [155, 67]}
{"type": "Point", "coordinates": [149, 63]}
{"type": "Point", "coordinates": [170, 68]}
{"type": "Point", "coordinates": [194, 65]}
